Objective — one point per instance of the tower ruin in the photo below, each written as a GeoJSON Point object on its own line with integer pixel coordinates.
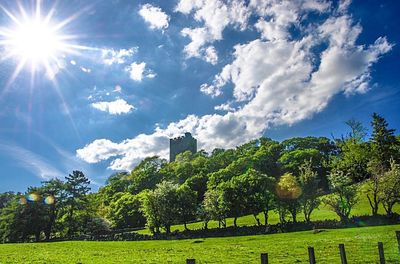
{"type": "Point", "coordinates": [181, 144]}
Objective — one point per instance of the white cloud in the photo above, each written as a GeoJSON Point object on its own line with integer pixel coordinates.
{"type": "Point", "coordinates": [138, 71]}
{"type": "Point", "coordinates": [154, 16]}
{"type": "Point", "coordinates": [111, 56]}
{"type": "Point", "coordinates": [224, 107]}
{"type": "Point", "coordinates": [116, 107]}
{"type": "Point", "coordinates": [211, 55]}
{"type": "Point", "coordinates": [87, 70]}
{"type": "Point", "coordinates": [215, 15]}
{"type": "Point", "coordinates": [279, 79]}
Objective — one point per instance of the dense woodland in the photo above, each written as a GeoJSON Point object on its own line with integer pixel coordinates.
{"type": "Point", "coordinates": [291, 177]}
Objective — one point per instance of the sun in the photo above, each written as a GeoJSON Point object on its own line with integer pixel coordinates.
{"type": "Point", "coordinates": [35, 41]}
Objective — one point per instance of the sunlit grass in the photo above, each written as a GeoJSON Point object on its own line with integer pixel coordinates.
{"type": "Point", "coordinates": [360, 243]}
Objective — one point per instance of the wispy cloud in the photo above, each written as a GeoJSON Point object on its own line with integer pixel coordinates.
{"type": "Point", "coordinates": [112, 56]}
{"type": "Point", "coordinates": [32, 162]}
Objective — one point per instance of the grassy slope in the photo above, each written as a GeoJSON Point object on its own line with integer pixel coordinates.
{"type": "Point", "coordinates": [323, 213]}
{"type": "Point", "coordinates": [282, 248]}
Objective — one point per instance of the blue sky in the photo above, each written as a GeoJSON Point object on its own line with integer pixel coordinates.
{"type": "Point", "coordinates": [106, 83]}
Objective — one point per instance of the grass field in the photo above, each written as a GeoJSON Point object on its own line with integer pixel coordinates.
{"type": "Point", "coordinates": [360, 243]}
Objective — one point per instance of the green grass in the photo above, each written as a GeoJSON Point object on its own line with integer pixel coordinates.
{"type": "Point", "coordinates": [322, 213]}
{"type": "Point", "coordinates": [361, 247]}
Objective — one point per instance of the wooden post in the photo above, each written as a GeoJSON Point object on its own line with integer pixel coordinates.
{"type": "Point", "coordinates": [398, 239]}
{"type": "Point", "coordinates": [342, 254]}
{"type": "Point", "coordinates": [311, 255]}
{"type": "Point", "coordinates": [264, 258]}
{"type": "Point", "coordinates": [190, 261]}
{"type": "Point", "coordinates": [381, 253]}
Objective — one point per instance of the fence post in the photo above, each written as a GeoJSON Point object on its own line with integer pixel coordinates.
{"type": "Point", "coordinates": [381, 253]}
{"type": "Point", "coordinates": [398, 239]}
{"type": "Point", "coordinates": [311, 255]}
{"type": "Point", "coordinates": [342, 254]}
{"type": "Point", "coordinates": [264, 258]}
{"type": "Point", "coordinates": [190, 261]}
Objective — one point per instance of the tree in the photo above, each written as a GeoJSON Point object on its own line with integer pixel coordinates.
{"type": "Point", "coordinates": [373, 184]}
{"type": "Point", "coordinates": [160, 206]}
{"type": "Point", "coordinates": [77, 187]}
{"type": "Point", "coordinates": [383, 141]}
{"type": "Point", "coordinates": [233, 197]}
{"type": "Point", "coordinates": [214, 207]}
{"type": "Point", "coordinates": [125, 211]}
{"type": "Point", "coordinates": [390, 188]}
{"type": "Point", "coordinates": [6, 198]}
{"type": "Point", "coordinates": [198, 183]}
{"type": "Point", "coordinates": [54, 192]}
{"type": "Point", "coordinates": [259, 193]}
{"type": "Point", "coordinates": [343, 196]}
{"type": "Point", "coordinates": [146, 175]}
{"type": "Point", "coordinates": [266, 157]}
{"type": "Point", "coordinates": [309, 198]}
{"type": "Point", "coordinates": [288, 192]}
{"type": "Point", "coordinates": [186, 204]}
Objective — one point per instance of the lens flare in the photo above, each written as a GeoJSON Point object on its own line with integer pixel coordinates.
{"type": "Point", "coordinates": [23, 200]}
{"type": "Point", "coordinates": [49, 200]}
{"type": "Point", "coordinates": [33, 197]}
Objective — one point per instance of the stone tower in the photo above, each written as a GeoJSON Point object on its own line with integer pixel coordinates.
{"type": "Point", "coordinates": [181, 144]}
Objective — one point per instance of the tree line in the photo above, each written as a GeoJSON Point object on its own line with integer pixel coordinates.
{"type": "Point", "coordinates": [291, 177]}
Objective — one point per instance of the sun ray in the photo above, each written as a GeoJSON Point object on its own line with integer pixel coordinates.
{"type": "Point", "coordinates": [38, 43]}
{"type": "Point", "coordinates": [36, 39]}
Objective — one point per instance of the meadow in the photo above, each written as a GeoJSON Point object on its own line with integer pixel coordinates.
{"type": "Point", "coordinates": [360, 243]}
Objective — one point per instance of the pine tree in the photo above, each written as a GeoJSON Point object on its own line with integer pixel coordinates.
{"type": "Point", "coordinates": [77, 187]}
{"type": "Point", "coordinates": [383, 141]}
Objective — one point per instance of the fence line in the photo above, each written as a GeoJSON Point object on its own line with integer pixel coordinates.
{"type": "Point", "coordinates": [312, 259]}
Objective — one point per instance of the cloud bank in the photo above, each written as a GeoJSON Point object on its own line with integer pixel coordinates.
{"type": "Point", "coordinates": [288, 74]}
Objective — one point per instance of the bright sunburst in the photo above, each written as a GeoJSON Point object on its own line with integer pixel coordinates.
{"type": "Point", "coordinates": [35, 41]}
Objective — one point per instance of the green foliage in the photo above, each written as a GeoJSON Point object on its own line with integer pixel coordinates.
{"type": "Point", "coordinates": [344, 194]}
{"type": "Point", "coordinates": [146, 175]}
{"type": "Point", "coordinates": [311, 192]}
{"type": "Point", "coordinates": [390, 188]}
{"type": "Point", "coordinates": [186, 204]}
{"type": "Point", "coordinates": [160, 206]}
{"type": "Point", "coordinates": [77, 187]}
{"type": "Point", "coordinates": [124, 211]}
{"type": "Point", "coordinates": [383, 141]}
{"type": "Point", "coordinates": [214, 207]}
{"type": "Point", "coordinates": [288, 191]}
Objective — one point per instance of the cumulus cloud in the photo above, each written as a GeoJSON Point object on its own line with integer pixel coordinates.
{"type": "Point", "coordinates": [154, 16]}
{"type": "Point", "coordinates": [116, 107]}
{"type": "Point", "coordinates": [138, 71]}
{"type": "Point", "coordinates": [112, 56]}
{"type": "Point", "coordinates": [215, 15]}
{"type": "Point", "coordinates": [278, 79]}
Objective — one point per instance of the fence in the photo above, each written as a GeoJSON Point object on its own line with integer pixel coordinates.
{"type": "Point", "coordinates": [342, 252]}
